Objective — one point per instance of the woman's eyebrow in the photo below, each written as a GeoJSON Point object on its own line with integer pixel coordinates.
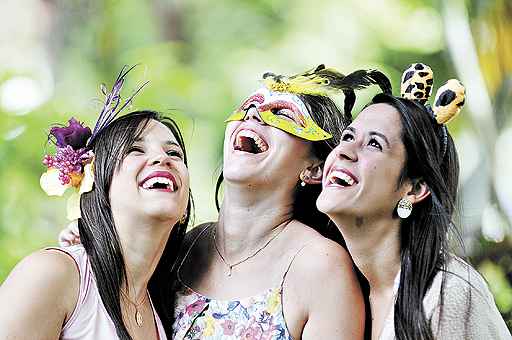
{"type": "Point", "coordinates": [171, 142]}
{"type": "Point", "coordinates": [167, 142]}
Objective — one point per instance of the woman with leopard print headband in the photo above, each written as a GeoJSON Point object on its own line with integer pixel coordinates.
{"type": "Point", "coordinates": [390, 186]}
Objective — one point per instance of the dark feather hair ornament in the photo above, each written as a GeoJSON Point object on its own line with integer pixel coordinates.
{"type": "Point", "coordinates": [113, 102]}
{"type": "Point", "coordinates": [322, 81]}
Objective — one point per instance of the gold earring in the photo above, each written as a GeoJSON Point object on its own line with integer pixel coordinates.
{"type": "Point", "coordinates": [183, 219]}
{"type": "Point", "coordinates": [303, 178]}
{"type": "Point", "coordinates": [404, 208]}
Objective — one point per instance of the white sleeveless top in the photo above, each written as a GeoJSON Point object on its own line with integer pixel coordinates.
{"type": "Point", "coordinates": [90, 320]}
{"type": "Point", "coordinates": [468, 308]}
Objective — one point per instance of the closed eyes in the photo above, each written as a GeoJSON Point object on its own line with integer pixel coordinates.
{"type": "Point", "coordinates": [172, 152]}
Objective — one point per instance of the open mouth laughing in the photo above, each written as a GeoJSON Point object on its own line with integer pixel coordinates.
{"type": "Point", "coordinates": [341, 178]}
{"type": "Point", "coordinates": [159, 181]}
{"type": "Point", "coordinates": [250, 142]}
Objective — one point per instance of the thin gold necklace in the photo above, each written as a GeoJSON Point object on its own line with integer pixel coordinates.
{"type": "Point", "coordinates": [231, 265]}
{"type": "Point", "coordinates": [138, 315]}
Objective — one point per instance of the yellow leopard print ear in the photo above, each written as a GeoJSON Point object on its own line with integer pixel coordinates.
{"type": "Point", "coordinates": [449, 100]}
{"type": "Point", "coordinates": [417, 82]}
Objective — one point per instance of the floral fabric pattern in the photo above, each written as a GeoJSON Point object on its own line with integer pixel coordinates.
{"type": "Point", "coordinates": [258, 317]}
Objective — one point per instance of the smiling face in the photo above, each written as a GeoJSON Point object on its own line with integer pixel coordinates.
{"type": "Point", "coordinates": [284, 111]}
{"type": "Point", "coordinates": [152, 180]}
{"type": "Point", "coordinates": [362, 172]}
{"type": "Point", "coordinates": [259, 154]}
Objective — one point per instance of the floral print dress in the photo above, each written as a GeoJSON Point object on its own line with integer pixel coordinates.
{"type": "Point", "coordinates": [258, 317]}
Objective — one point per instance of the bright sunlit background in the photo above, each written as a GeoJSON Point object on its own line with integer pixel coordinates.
{"type": "Point", "coordinates": [202, 57]}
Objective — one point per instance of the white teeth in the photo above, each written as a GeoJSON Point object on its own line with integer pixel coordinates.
{"type": "Point", "coordinates": [343, 176]}
{"type": "Point", "coordinates": [251, 134]}
{"type": "Point", "coordinates": [162, 180]}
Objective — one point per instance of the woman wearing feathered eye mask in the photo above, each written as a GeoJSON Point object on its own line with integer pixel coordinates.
{"type": "Point", "coordinates": [264, 270]}
{"type": "Point", "coordinates": [390, 186]}
{"type": "Point", "coordinates": [132, 203]}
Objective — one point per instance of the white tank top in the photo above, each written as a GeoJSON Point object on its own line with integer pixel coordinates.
{"type": "Point", "coordinates": [90, 320]}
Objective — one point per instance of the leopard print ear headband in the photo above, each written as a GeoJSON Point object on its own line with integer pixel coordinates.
{"type": "Point", "coordinates": [417, 81]}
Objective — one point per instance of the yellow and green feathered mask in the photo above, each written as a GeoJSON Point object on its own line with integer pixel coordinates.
{"type": "Point", "coordinates": [279, 104]}
{"type": "Point", "coordinates": [283, 111]}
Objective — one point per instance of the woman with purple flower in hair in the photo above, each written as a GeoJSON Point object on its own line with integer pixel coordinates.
{"type": "Point", "coordinates": [132, 202]}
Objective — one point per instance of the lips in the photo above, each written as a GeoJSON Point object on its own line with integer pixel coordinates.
{"type": "Point", "coordinates": [249, 141]}
{"type": "Point", "coordinates": [341, 177]}
{"type": "Point", "coordinates": [159, 181]}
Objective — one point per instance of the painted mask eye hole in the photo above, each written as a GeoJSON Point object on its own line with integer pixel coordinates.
{"type": "Point", "coordinates": [284, 113]}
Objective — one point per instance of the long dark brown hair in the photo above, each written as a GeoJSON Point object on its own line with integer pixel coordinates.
{"type": "Point", "coordinates": [424, 236]}
{"type": "Point", "coordinates": [98, 233]}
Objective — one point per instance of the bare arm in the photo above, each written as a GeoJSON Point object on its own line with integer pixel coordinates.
{"type": "Point", "coordinates": [38, 296]}
{"type": "Point", "coordinates": [331, 295]}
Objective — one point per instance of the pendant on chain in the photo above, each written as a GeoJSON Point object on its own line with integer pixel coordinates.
{"type": "Point", "coordinates": [138, 318]}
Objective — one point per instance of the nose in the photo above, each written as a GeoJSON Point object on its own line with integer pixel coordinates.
{"type": "Point", "coordinates": [253, 113]}
{"type": "Point", "coordinates": [161, 158]}
{"type": "Point", "coordinates": [346, 151]}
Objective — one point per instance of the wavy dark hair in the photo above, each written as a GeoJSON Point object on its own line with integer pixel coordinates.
{"type": "Point", "coordinates": [328, 116]}
{"type": "Point", "coordinates": [424, 236]}
{"type": "Point", "coordinates": [98, 232]}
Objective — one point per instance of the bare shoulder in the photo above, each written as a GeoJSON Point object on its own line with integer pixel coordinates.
{"type": "Point", "coordinates": [48, 266]}
{"type": "Point", "coordinates": [322, 265]}
{"type": "Point", "coordinates": [323, 257]}
{"type": "Point", "coordinates": [320, 284]}
{"type": "Point", "coordinates": [43, 281]}
{"type": "Point", "coordinates": [46, 272]}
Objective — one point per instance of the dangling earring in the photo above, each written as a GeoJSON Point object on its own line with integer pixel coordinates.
{"type": "Point", "coordinates": [183, 219]}
{"type": "Point", "coordinates": [303, 178]}
{"type": "Point", "coordinates": [404, 208]}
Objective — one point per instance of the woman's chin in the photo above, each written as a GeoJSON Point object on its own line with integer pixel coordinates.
{"type": "Point", "coordinates": [327, 204]}
{"type": "Point", "coordinates": [243, 178]}
{"type": "Point", "coordinates": [161, 213]}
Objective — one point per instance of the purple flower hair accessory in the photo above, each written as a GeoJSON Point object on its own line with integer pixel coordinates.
{"type": "Point", "coordinates": [73, 163]}
{"type": "Point", "coordinates": [74, 135]}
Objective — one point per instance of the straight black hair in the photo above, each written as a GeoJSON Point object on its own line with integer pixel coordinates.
{"type": "Point", "coordinates": [424, 236]}
{"type": "Point", "coordinates": [99, 235]}
{"type": "Point", "coordinates": [328, 116]}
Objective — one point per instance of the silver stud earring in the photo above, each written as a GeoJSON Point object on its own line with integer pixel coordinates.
{"type": "Point", "coordinates": [404, 208]}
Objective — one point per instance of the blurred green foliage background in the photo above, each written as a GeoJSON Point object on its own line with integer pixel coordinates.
{"type": "Point", "coordinates": [203, 57]}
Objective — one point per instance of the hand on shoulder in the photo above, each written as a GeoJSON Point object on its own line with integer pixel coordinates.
{"type": "Point", "coordinates": [38, 296]}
